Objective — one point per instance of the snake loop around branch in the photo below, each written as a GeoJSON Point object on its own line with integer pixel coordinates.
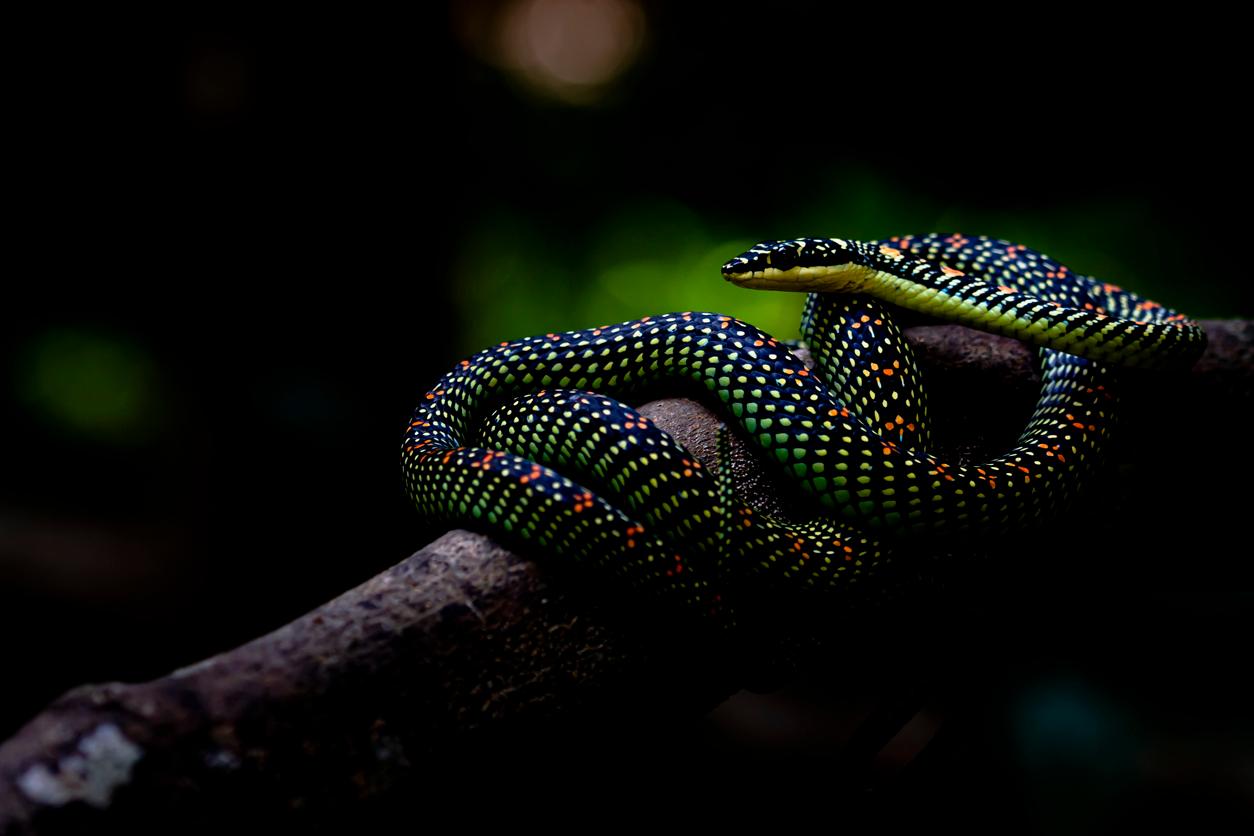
{"type": "Point", "coordinates": [645, 510]}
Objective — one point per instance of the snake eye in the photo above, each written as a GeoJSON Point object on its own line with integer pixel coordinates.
{"type": "Point", "coordinates": [784, 258]}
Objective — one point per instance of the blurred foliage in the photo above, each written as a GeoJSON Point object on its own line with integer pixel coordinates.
{"type": "Point", "coordinates": [521, 271]}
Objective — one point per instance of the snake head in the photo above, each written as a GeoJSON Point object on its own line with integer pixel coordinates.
{"type": "Point", "coordinates": [799, 264]}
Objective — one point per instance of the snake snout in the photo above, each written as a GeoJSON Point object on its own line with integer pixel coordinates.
{"type": "Point", "coordinates": [762, 259]}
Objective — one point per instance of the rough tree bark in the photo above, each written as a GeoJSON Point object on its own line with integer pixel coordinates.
{"type": "Point", "coordinates": [465, 644]}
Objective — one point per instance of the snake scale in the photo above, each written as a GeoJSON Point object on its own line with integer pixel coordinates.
{"type": "Point", "coordinates": [562, 464]}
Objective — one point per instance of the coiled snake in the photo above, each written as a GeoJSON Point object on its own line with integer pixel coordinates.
{"type": "Point", "coordinates": [642, 508]}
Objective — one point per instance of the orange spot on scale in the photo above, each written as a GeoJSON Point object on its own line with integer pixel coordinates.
{"type": "Point", "coordinates": [949, 271]}
{"type": "Point", "coordinates": [888, 372]}
{"type": "Point", "coordinates": [890, 252]}
{"type": "Point", "coordinates": [757, 343]}
{"type": "Point", "coordinates": [1005, 288]}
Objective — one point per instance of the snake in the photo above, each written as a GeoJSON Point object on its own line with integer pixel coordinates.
{"type": "Point", "coordinates": [531, 440]}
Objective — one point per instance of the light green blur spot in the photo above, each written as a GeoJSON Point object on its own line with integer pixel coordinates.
{"type": "Point", "coordinates": [90, 384]}
{"type": "Point", "coordinates": [654, 256]}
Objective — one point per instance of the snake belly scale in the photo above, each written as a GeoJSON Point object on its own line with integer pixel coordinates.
{"type": "Point", "coordinates": [644, 510]}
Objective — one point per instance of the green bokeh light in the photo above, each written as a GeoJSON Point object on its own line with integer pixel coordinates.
{"type": "Point", "coordinates": [88, 384]}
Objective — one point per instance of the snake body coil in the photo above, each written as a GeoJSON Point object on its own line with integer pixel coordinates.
{"type": "Point", "coordinates": [857, 444]}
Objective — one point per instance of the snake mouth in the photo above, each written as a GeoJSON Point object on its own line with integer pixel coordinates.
{"type": "Point", "coordinates": [772, 278]}
{"type": "Point", "coordinates": [842, 278]}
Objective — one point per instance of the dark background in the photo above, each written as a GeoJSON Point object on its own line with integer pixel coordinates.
{"type": "Point", "coordinates": [241, 249]}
